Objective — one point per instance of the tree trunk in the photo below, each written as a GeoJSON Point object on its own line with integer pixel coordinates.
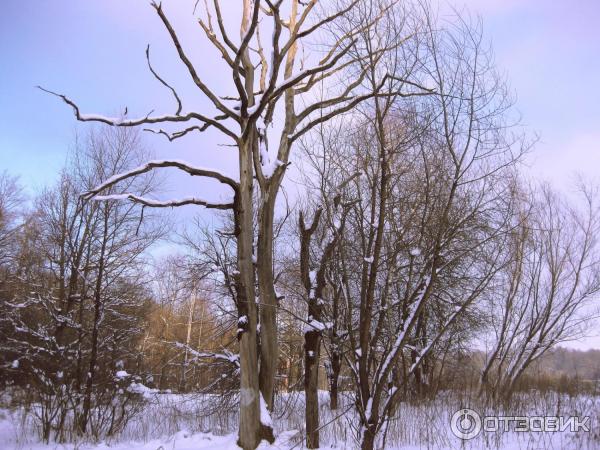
{"type": "Point", "coordinates": [268, 299]}
{"type": "Point", "coordinates": [334, 376]}
{"type": "Point", "coordinates": [188, 336]}
{"type": "Point", "coordinates": [312, 341]}
{"type": "Point", "coordinates": [89, 383]}
{"type": "Point", "coordinates": [249, 432]}
{"type": "Point", "coordinates": [368, 439]}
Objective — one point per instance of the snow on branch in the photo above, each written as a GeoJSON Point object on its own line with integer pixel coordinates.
{"type": "Point", "coordinates": [227, 356]}
{"type": "Point", "coordinates": [122, 122]}
{"type": "Point", "coordinates": [181, 165]}
{"type": "Point", "coordinates": [405, 328]}
{"type": "Point", "coordinates": [152, 203]}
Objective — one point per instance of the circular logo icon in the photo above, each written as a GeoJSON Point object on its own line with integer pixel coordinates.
{"type": "Point", "coordinates": [465, 424]}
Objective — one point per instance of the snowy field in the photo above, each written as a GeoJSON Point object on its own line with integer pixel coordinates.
{"type": "Point", "coordinates": [190, 422]}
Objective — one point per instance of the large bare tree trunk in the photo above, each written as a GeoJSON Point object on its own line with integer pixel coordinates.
{"type": "Point", "coordinates": [249, 432]}
{"type": "Point", "coordinates": [268, 299]}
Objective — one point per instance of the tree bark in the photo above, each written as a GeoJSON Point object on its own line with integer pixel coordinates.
{"type": "Point", "coordinates": [336, 365]}
{"type": "Point", "coordinates": [368, 439]}
{"type": "Point", "coordinates": [268, 299]}
{"type": "Point", "coordinates": [312, 345]}
{"type": "Point", "coordinates": [249, 432]}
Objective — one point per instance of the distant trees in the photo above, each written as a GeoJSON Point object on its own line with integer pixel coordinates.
{"type": "Point", "coordinates": [11, 211]}
{"type": "Point", "coordinates": [544, 296]}
{"type": "Point", "coordinates": [189, 344]}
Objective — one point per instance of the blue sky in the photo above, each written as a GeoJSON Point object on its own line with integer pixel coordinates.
{"type": "Point", "coordinates": [93, 50]}
{"type": "Point", "coordinates": [550, 51]}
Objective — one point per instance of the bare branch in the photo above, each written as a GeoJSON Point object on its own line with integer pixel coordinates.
{"type": "Point", "coordinates": [194, 171]}
{"type": "Point", "coordinates": [113, 121]}
{"type": "Point", "coordinates": [163, 82]}
{"type": "Point", "coordinates": [149, 202]}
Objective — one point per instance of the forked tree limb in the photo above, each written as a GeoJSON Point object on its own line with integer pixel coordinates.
{"type": "Point", "coordinates": [113, 121]}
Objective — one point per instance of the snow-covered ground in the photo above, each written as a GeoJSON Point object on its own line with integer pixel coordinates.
{"type": "Point", "coordinates": [189, 422]}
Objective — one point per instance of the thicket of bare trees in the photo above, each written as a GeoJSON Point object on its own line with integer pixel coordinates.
{"type": "Point", "coordinates": [413, 233]}
{"type": "Point", "coordinates": [74, 299]}
{"type": "Point", "coordinates": [543, 297]}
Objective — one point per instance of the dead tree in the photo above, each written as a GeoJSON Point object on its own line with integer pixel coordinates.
{"type": "Point", "coordinates": [265, 88]}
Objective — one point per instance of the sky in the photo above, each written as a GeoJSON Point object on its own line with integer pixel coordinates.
{"type": "Point", "coordinates": [93, 50]}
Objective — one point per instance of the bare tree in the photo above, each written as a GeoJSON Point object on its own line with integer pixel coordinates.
{"type": "Point", "coordinates": [11, 207]}
{"type": "Point", "coordinates": [425, 238]}
{"type": "Point", "coordinates": [79, 296]}
{"type": "Point", "coordinates": [313, 273]}
{"type": "Point", "coordinates": [543, 298]}
{"type": "Point", "coordinates": [264, 88]}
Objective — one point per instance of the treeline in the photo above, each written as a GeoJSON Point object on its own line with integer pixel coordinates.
{"type": "Point", "coordinates": [565, 361]}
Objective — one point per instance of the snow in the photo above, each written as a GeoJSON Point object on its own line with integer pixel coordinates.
{"type": "Point", "coordinates": [369, 260]}
{"type": "Point", "coordinates": [369, 408]}
{"type": "Point", "coordinates": [312, 325]}
{"type": "Point", "coordinates": [265, 417]}
{"type": "Point", "coordinates": [121, 374]}
{"type": "Point", "coordinates": [253, 109]}
{"type": "Point", "coordinates": [268, 166]}
{"type": "Point", "coordinates": [381, 371]}
{"type": "Point", "coordinates": [170, 422]}
{"type": "Point", "coordinates": [153, 202]}
{"type": "Point", "coordinates": [139, 388]}
{"type": "Point", "coordinates": [415, 252]}
{"type": "Point", "coordinates": [182, 440]}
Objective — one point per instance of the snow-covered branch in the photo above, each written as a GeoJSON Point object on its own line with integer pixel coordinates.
{"type": "Point", "coordinates": [148, 119]}
{"type": "Point", "coordinates": [181, 165]}
{"type": "Point", "coordinates": [152, 203]}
